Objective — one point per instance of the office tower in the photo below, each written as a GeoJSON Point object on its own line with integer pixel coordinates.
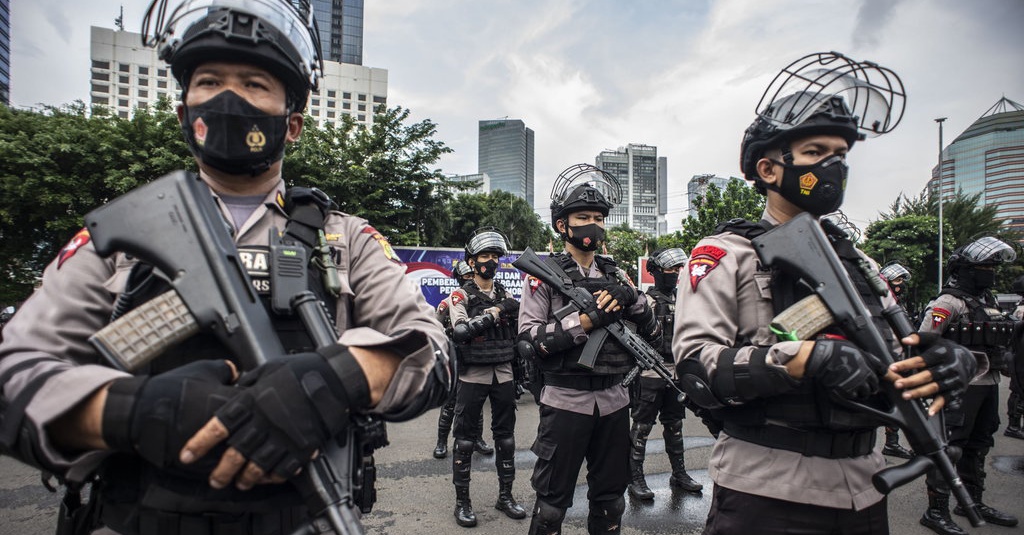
{"type": "Point", "coordinates": [988, 158]}
{"type": "Point", "coordinates": [5, 52]}
{"type": "Point", "coordinates": [481, 179]}
{"type": "Point", "coordinates": [637, 167]}
{"type": "Point", "coordinates": [505, 153]}
{"type": "Point", "coordinates": [698, 185]}
{"type": "Point", "coordinates": [127, 75]}
{"type": "Point", "coordinates": [340, 23]}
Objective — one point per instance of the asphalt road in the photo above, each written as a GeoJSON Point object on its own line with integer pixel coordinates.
{"type": "Point", "coordinates": [415, 494]}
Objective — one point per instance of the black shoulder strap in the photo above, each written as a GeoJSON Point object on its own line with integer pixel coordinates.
{"type": "Point", "coordinates": [607, 265]}
{"type": "Point", "coordinates": [743, 227]}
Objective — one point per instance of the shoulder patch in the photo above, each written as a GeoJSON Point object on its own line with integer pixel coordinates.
{"type": "Point", "coordinates": [534, 283]}
{"type": "Point", "coordinates": [69, 250]}
{"type": "Point", "coordinates": [279, 199]}
{"type": "Point", "coordinates": [703, 259]}
{"type": "Point", "coordinates": [389, 252]}
{"type": "Point", "coordinates": [939, 315]}
{"type": "Point", "coordinates": [458, 297]}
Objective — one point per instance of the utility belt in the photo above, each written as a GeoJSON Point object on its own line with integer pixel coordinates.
{"type": "Point", "coordinates": [583, 382]}
{"type": "Point", "coordinates": [830, 445]}
{"type": "Point", "coordinates": [125, 518]}
{"type": "Point", "coordinates": [997, 334]}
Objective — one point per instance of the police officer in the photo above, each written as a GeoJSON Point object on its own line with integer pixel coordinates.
{"type": "Point", "coordinates": [176, 448]}
{"type": "Point", "coordinates": [967, 313]}
{"type": "Point", "coordinates": [1015, 401]}
{"type": "Point", "coordinates": [897, 276]}
{"type": "Point", "coordinates": [462, 273]}
{"type": "Point", "coordinates": [484, 318]}
{"type": "Point", "coordinates": [653, 396]}
{"type": "Point", "coordinates": [789, 458]}
{"type": "Point", "coordinates": [583, 413]}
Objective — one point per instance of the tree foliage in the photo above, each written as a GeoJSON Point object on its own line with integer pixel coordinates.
{"type": "Point", "coordinates": [58, 164]}
{"type": "Point", "coordinates": [715, 206]}
{"type": "Point", "coordinates": [626, 245]}
{"type": "Point", "coordinates": [512, 215]}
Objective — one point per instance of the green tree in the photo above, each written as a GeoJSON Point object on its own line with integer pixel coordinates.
{"type": "Point", "coordinates": [381, 173]}
{"type": "Point", "coordinates": [60, 163]}
{"type": "Point", "coordinates": [909, 240]}
{"type": "Point", "coordinates": [510, 214]}
{"type": "Point", "coordinates": [716, 206]}
{"type": "Point", "coordinates": [626, 245]}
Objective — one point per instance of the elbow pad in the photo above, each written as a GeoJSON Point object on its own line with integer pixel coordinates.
{"type": "Point", "coordinates": [736, 383]}
{"type": "Point", "coordinates": [551, 338]}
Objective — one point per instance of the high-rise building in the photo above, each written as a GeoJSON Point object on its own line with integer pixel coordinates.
{"type": "Point", "coordinates": [127, 75]}
{"type": "Point", "coordinates": [639, 171]}
{"type": "Point", "coordinates": [988, 159]}
{"type": "Point", "coordinates": [341, 29]}
{"type": "Point", "coordinates": [5, 52]}
{"type": "Point", "coordinates": [505, 153]}
{"type": "Point", "coordinates": [698, 185]}
{"type": "Point", "coordinates": [482, 181]}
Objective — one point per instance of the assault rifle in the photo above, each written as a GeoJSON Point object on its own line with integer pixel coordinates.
{"type": "Point", "coordinates": [174, 224]}
{"type": "Point", "coordinates": [800, 248]}
{"type": "Point", "coordinates": [646, 357]}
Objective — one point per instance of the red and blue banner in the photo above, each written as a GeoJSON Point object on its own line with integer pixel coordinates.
{"type": "Point", "coordinates": [430, 268]}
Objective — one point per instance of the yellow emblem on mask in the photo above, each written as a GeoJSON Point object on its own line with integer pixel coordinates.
{"type": "Point", "coordinates": [807, 183]}
{"type": "Point", "coordinates": [255, 139]}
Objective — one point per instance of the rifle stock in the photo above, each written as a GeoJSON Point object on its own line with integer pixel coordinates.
{"type": "Point", "coordinates": [800, 247]}
{"type": "Point", "coordinates": [174, 224]}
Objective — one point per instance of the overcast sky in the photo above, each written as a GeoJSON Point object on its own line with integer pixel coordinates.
{"type": "Point", "coordinates": [586, 76]}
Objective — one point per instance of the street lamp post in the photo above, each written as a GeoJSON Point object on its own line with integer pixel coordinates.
{"type": "Point", "coordinates": [941, 183]}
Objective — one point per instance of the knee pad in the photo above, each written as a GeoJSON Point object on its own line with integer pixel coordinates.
{"type": "Point", "coordinates": [610, 509]}
{"type": "Point", "coordinates": [547, 514]}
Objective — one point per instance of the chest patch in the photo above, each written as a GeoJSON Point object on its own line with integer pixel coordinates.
{"type": "Point", "coordinates": [256, 261]}
{"type": "Point", "coordinates": [703, 260]}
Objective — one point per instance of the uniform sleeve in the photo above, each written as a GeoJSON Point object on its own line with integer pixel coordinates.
{"type": "Point", "coordinates": [724, 305]}
{"type": "Point", "coordinates": [388, 310]}
{"type": "Point", "coordinates": [47, 365]}
{"type": "Point", "coordinates": [538, 324]}
{"type": "Point", "coordinates": [459, 312]}
{"type": "Point", "coordinates": [939, 313]}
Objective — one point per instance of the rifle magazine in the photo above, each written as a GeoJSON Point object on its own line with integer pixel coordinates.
{"type": "Point", "coordinates": [144, 333]}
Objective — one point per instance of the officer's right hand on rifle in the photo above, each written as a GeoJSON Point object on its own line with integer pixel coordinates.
{"type": "Point", "coordinates": [607, 307]}
{"type": "Point", "coordinates": [947, 370]}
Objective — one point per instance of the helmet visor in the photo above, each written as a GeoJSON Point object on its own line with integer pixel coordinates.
{"type": "Point", "coordinates": [988, 250]}
{"type": "Point", "coordinates": [895, 271]}
{"type": "Point", "coordinates": [670, 258]}
{"type": "Point", "coordinates": [584, 174]}
{"type": "Point", "coordinates": [487, 241]}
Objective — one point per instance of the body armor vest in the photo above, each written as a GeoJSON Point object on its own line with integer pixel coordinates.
{"type": "Point", "coordinates": [808, 407]}
{"type": "Point", "coordinates": [496, 344]}
{"type": "Point", "coordinates": [612, 358]}
{"type": "Point", "coordinates": [130, 483]}
{"type": "Point", "coordinates": [665, 312]}
{"type": "Point", "coordinates": [984, 328]}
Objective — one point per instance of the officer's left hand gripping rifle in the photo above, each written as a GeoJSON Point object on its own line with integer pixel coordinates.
{"type": "Point", "coordinates": [800, 247]}
{"type": "Point", "coordinates": [174, 224]}
{"type": "Point", "coordinates": [646, 357]}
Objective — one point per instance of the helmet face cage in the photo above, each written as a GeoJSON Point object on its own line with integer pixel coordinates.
{"type": "Point", "coordinates": [895, 271]}
{"type": "Point", "coordinates": [277, 20]}
{"type": "Point", "coordinates": [987, 250]}
{"type": "Point", "coordinates": [583, 187]}
{"type": "Point", "coordinates": [839, 220]}
{"type": "Point", "coordinates": [460, 270]}
{"type": "Point", "coordinates": [487, 239]}
{"type": "Point", "coordinates": [666, 259]}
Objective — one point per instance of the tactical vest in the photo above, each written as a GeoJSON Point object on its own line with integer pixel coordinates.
{"type": "Point", "coordinates": [665, 311]}
{"type": "Point", "coordinates": [496, 344]}
{"type": "Point", "coordinates": [984, 328]}
{"type": "Point", "coordinates": [612, 358]}
{"type": "Point", "coordinates": [807, 407]}
{"type": "Point", "coordinates": [135, 494]}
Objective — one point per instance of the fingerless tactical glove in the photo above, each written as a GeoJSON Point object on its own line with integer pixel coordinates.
{"type": "Point", "coordinates": [844, 369]}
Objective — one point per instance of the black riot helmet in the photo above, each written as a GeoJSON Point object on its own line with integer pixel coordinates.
{"type": "Point", "coordinates": [486, 240]}
{"type": "Point", "coordinates": [277, 35]}
{"type": "Point", "coordinates": [461, 270]}
{"type": "Point", "coordinates": [825, 93]}
{"type": "Point", "coordinates": [895, 271]}
{"type": "Point", "coordinates": [984, 251]}
{"type": "Point", "coordinates": [583, 187]}
{"type": "Point", "coordinates": [663, 259]}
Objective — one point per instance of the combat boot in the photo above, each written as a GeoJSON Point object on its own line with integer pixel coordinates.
{"type": "Point", "coordinates": [441, 450]}
{"type": "Point", "coordinates": [674, 448]}
{"type": "Point", "coordinates": [505, 464]}
{"type": "Point", "coordinates": [482, 447]}
{"type": "Point", "coordinates": [936, 518]}
{"type": "Point", "coordinates": [1013, 414]}
{"type": "Point", "coordinates": [638, 450]}
{"type": "Point", "coordinates": [444, 426]}
{"type": "Point", "coordinates": [892, 445]}
{"type": "Point", "coordinates": [462, 463]}
{"type": "Point", "coordinates": [988, 514]}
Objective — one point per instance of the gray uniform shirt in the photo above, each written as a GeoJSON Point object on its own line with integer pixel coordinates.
{"type": "Point", "coordinates": [724, 298]}
{"type": "Point", "coordinates": [536, 309]}
{"type": "Point", "coordinates": [483, 374]}
{"type": "Point", "coordinates": [946, 309]}
{"type": "Point", "coordinates": [378, 307]}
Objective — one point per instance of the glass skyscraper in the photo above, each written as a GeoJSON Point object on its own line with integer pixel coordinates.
{"type": "Point", "coordinates": [637, 169]}
{"type": "Point", "coordinates": [341, 29]}
{"type": "Point", "coordinates": [5, 52]}
{"type": "Point", "coordinates": [505, 153]}
{"type": "Point", "coordinates": [988, 158]}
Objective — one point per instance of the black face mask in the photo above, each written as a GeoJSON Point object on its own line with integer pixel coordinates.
{"type": "Point", "coordinates": [586, 237]}
{"type": "Point", "coordinates": [975, 281]}
{"type": "Point", "coordinates": [665, 282]}
{"type": "Point", "coordinates": [486, 269]}
{"type": "Point", "coordinates": [816, 189]}
{"type": "Point", "coordinates": [232, 136]}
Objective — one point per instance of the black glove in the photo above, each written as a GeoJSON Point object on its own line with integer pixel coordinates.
{"type": "Point", "coordinates": [599, 317]}
{"type": "Point", "coordinates": [292, 406]}
{"type": "Point", "coordinates": [154, 416]}
{"type": "Point", "coordinates": [509, 307]}
{"type": "Point", "coordinates": [844, 369]}
{"type": "Point", "coordinates": [952, 366]}
{"type": "Point", "coordinates": [626, 295]}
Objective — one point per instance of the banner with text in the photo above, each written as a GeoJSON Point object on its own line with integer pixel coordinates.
{"type": "Point", "coordinates": [431, 269]}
